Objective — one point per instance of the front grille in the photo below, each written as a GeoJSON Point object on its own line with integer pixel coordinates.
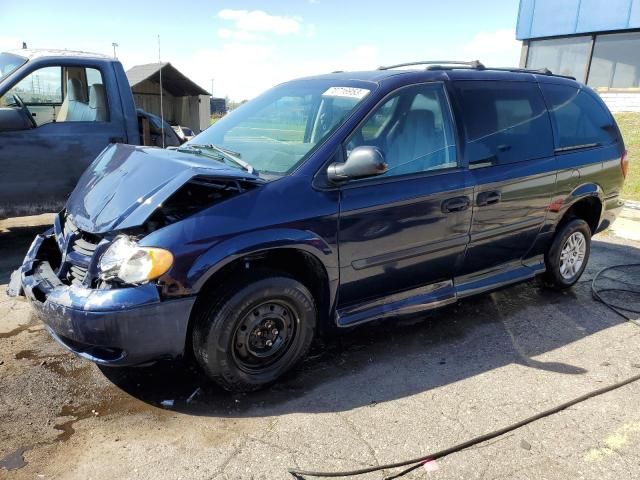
{"type": "Point", "coordinates": [80, 247]}
{"type": "Point", "coordinates": [76, 275]}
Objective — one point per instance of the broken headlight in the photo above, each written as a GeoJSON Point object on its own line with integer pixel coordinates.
{"type": "Point", "coordinates": [128, 262]}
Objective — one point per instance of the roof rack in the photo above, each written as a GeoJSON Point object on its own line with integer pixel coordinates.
{"type": "Point", "coordinates": [475, 65]}
{"type": "Point", "coordinates": [438, 63]}
{"type": "Point", "coordinates": [539, 71]}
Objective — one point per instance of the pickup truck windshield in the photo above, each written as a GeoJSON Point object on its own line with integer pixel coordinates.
{"type": "Point", "coordinates": [9, 63]}
{"type": "Point", "coordinates": [276, 131]}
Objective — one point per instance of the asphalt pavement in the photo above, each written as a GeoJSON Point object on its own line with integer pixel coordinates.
{"type": "Point", "coordinates": [378, 394]}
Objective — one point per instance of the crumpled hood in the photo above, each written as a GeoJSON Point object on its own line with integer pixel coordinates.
{"type": "Point", "coordinates": [125, 185]}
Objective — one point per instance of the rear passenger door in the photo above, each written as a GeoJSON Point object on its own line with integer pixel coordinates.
{"type": "Point", "coordinates": [408, 227]}
{"type": "Point", "coordinates": [70, 107]}
{"type": "Point", "coordinates": [509, 149]}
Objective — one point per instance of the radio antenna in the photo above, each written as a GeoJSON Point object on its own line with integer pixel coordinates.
{"type": "Point", "coordinates": [161, 102]}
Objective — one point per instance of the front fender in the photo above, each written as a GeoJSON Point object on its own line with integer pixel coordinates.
{"type": "Point", "coordinates": [257, 241]}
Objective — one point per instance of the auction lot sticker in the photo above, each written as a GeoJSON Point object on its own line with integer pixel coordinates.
{"type": "Point", "coordinates": [348, 92]}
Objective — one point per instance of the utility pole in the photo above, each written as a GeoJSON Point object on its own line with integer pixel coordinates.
{"type": "Point", "coordinates": [212, 87]}
{"type": "Point", "coordinates": [114, 45]}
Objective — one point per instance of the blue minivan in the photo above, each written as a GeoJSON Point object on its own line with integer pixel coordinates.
{"type": "Point", "coordinates": [332, 200]}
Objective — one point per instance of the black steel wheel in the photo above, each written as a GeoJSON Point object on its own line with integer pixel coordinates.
{"type": "Point", "coordinates": [251, 335]}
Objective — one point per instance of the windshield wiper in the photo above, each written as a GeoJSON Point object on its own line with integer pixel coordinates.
{"type": "Point", "coordinates": [228, 154]}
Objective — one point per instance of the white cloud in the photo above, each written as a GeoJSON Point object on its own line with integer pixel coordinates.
{"type": "Point", "coordinates": [237, 35]}
{"type": "Point", "coordinates": [253, 22]}
{"type": "Point", "coordinates": [498, 48]}
{"type": "Point", "coordinates": [244, 70]}
{"type": "Point", "coordinates": [9, 43]}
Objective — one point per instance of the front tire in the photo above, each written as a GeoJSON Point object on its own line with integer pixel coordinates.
{"type": "Point", "coordinates": [258, 330]}
{"type": "Point", "coordinates": [568, 255]}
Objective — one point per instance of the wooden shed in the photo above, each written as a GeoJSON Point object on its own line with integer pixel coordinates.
{"type": "Point", "coordinates": [184, 102]}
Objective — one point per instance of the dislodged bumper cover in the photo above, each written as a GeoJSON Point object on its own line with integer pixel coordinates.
{"type": "Point", "coordinates": [124, 326]}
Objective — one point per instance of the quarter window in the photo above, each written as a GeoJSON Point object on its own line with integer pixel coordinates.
{"type": "Point", "coordinates": [413, 129]}
{"type": "Point", "coordinates": [578, 120]}
{"type": "Point", "coordinates": [504, 122]}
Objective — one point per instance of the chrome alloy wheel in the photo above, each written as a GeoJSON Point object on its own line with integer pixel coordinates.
{"type": "Point", "coordinates": [572, 255]}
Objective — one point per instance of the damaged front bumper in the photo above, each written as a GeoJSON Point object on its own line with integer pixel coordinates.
{"type": "Point", "coordinates": [121, 326]}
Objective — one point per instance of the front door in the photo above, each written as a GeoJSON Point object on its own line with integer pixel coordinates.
{"type": "Point", "coordinates": [409, 227]}
{"type": "Point", "coordinates": [41, 164]}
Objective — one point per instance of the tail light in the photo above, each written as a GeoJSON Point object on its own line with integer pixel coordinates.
{"type": "Point", "coordinates": [624, 164]}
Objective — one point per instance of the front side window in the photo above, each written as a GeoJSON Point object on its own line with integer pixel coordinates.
{"type": "Point", "coordinates": [578, 120]}
{"type": "Point", "coordinates": [277, 131]}
{"type": "Point", "coordinates": [413, 130]}
{"type": "Point", "coordinates": [504, 122]}
{"type": "Point", "coordinates": [42, 87]}
{"type": "Point", "coordinates": [616, 61]}
{"type": "Point", "coordinates": [563, 56]}
{"type": "Point", "coordinates": [61, 94]}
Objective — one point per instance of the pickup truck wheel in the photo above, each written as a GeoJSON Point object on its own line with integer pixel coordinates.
{"type": "Point", "coordinates": [568, 255]}
{"type": "Point", "coordinates": [250, 336]}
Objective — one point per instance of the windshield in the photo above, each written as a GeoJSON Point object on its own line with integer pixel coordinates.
{"type": "Point", "coordinates": [9, 63]}
{"type": "Point", "coordinates": [276, 131]}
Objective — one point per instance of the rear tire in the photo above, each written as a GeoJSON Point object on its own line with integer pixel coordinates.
{"type": "Point", "coordinates": [258, 330]}
{"type": "Point", "coordinates": [568, 255]}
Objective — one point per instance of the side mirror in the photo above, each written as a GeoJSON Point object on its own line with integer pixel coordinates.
{"type": "Point", "coordinates": [365, 161]}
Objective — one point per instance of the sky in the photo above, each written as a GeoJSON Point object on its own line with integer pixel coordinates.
{"type": "Point", "coordinates": [248, 46]}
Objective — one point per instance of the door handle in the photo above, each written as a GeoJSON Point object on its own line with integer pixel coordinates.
{"type": "Point", "coordinates": [488, 198]}
{"type": "Point", "coordinates": [456, 204]}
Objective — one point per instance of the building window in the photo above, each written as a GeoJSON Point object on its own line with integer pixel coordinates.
{"type": "Point", "coordinates": [563, 56]}
{"type": "Point", "coordinates": [616, 61]}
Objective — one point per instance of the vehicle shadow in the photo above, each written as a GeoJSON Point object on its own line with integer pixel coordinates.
{"type": "Point", "coordinates": [388, 360]}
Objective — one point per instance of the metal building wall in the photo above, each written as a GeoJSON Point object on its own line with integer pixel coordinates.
{"type": "Point", "coordinates": [548, 18]}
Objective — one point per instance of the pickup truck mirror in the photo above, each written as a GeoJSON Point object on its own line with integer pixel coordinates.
{"type": "Point", "coordinates": [364, 161]}
{"type": "Point", "coordinates": [12, 119]}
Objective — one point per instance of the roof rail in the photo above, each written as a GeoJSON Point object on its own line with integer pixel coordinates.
{"type": "Point", "coordinates": [475, 65]}
{"type": "Point", "coordinates": [438, 63]}
{"type": "Point", "coordinates": [539, 71]}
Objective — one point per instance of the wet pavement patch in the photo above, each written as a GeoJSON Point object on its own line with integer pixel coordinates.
{"type": "Point", "coordinates": [14, 460]}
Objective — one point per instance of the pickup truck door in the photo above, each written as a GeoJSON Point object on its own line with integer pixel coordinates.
{"type": "Point", "coordinates": [72, 106]}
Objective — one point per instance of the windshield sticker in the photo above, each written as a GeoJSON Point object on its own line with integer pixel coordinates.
{"type": "Point", "coordinates": [348, 92]}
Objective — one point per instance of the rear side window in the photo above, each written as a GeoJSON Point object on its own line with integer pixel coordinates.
{"type": "Point", "coordinates": [578, 120]}
{"type": "Point", "coordinates": [504, 122]}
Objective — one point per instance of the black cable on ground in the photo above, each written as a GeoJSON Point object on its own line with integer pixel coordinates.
{"type": "Point", "coordinates": [417, 462]}
{"type": "Point", "coordinates": [619, 309]}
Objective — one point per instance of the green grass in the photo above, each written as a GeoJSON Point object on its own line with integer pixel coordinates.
{"type": "Point", "coordinates": [629, 124]}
